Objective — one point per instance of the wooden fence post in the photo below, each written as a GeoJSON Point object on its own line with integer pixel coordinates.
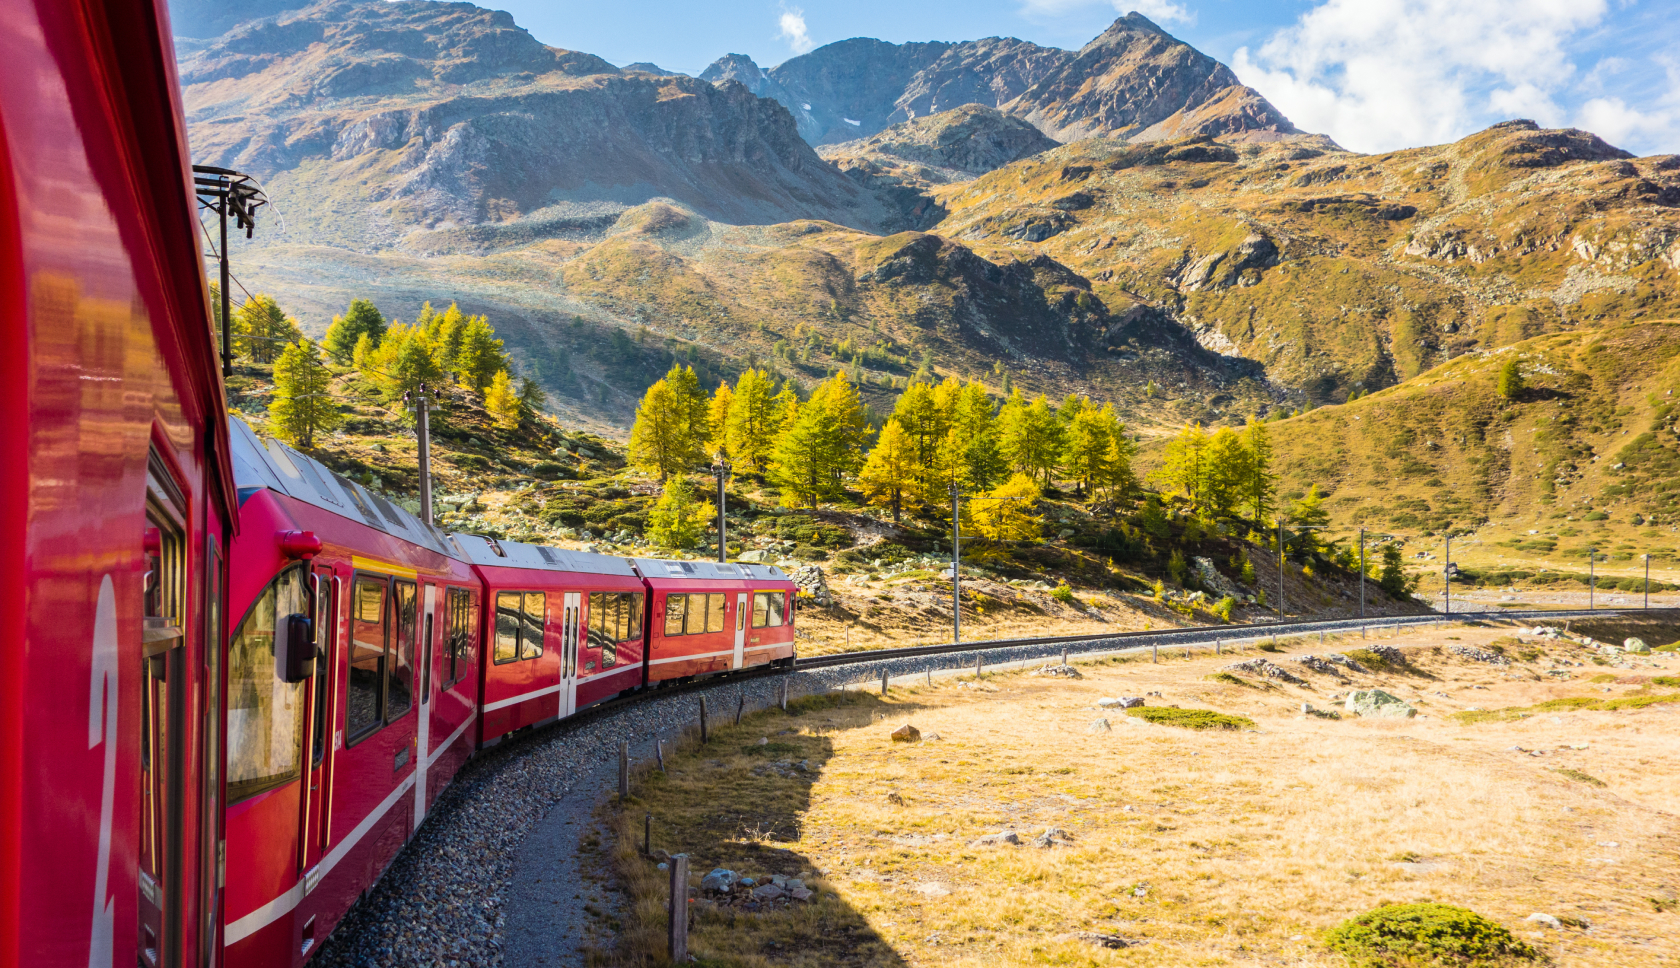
{"type": "Point", "coordinates": [1064, 655]}
{"type": "Point", "coordinates": [703, 736]}
{"type": "Point", "coordinates": [784, 693]}
{"type": "Point", "coordinates": [1154, 651]}
{"type": "Point", "coordinates": [1218, 647]}
{"type": "Point", "coordinates": [647, 835]}
{"type": "Point", "coordinates": [679, 908]}
{"type": "Point", "coordinates": [883, 682]}
{"type": "Point", "coordinates": [740, 707]}
{"type": "Point", "coordinates": [659, 748]}
{"type": "Point", "coordinates": [976, 667]}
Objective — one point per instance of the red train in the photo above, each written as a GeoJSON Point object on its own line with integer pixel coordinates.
{"type": "Point", "coordinates": [231, 683]}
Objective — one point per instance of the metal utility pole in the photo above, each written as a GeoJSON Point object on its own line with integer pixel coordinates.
{"type": "Point", "coordinates": [1280, 570]}
{"type": "Point", "coordinates": [1446, 575]}
{"type": "Point", "coordinates": [956, 563]}
{"type": "Point", "coordinates": [227, 192]}
{"type": "Point", "coordinates": [1361, 573]}
{"type": "Point", "coordinates": [721, 468]}
{"type": "Point", "coordinates": [1592, 576]}
{"type": "Point", "coordinates": [421, 401]}
{"type": "Point", "coordinates": [1647, 580]}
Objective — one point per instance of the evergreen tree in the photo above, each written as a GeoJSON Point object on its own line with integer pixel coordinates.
{"type": "Point", "coordinates": [662, 440]}
{"type": "Point", "coordinates": [1510, 384]}
{"type": "Point", "coordinates": [1309, 510]}
{"type": "Point", "coordinates": [479, 356]}
{"type": "Point", "coordinates": [890, 473]}
{"type": "Point", "coordinates": [1118, 477]}
{"type": "Point", "coordinates": [261, 329]}
{"type": "Point", "coordinates": [1005, 514]}
{"type": "Point", "coordinates": [802, 461]}
{"type": "Point", "coordinates": [402, 360]}
{"type": "Point", "coordinates": [502, 401]}
{"type": "Point", "coordinates": [302, 406]}
{"type": "Point", "coordinates": [918, 415]}
{"type": "Point", "coordinates": [532, 399]}
{"type": "Point", "coordinates": [361, 318]}
{"type": "Point", "coordinates": [677, 520]}
{"type": "Point", "coordinates": [696, 408]}
{"type": "Point", "coordinates": [973, 422]}
{"type": "Point", "coordinates": [1260, 487]}
{"type": "Point", "coordinates": [1393, 579]}
{"type": "Point", "coordinates": [751, 428]}
{"type": "Point", "coordinates": [844, 449]}
{"type": "Point", "coordinates": [448, 331]}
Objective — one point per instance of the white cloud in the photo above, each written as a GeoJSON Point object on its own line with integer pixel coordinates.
{"type": "Point", "coordinates": [1383, 74]}
{"type": "Point", "coordinates": [794, 32]}
{"type": "Point", "coordinates": [1160, 11]}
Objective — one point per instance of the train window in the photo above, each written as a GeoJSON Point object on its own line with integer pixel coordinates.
{"type": "Point", "coordinates": [531, 635]}
{"type": "Point", "coordinates": [365, 695]}
{"type": "Point", "coordinates": [597, 617]}
{"type": "Point", "coordinates": [399, 692]}
{"type": "Point", "coordinates": [264, 713]}
{"type": "Point", "coordinates": [778, 608]}
{"type": "Point", "coordinates": [508, 607]}
{"type": "Point", "coordinates": [714, 613]}
{"type": "Point", "coordinates": [637, 600]}
{"type": "Point", "coordinates": [761, 609]}
{"type": "Point", "coordinates": [326, 627]}
{"type": "Point", "coordinates": [675, 606]}
{"type": "Point", "coordinates": [459, 602]}
{"type": "Point", "coordinates": [695, 623]}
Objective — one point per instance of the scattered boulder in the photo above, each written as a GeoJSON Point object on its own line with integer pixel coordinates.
{"type": "Point", "coordinates": [1120, 702]}
{"type": "Point", "coordinates": [1317, 664]}
{"type": "Point", "coordinates": [1105, 940]}
{"type": "Point", "coordinates": [720, 881]}
{"type": "Point", "coordinates": [767, 892]}
{"type": "Point", "coordinates": [1636, 646]}
{"type": "Point", "coordinates": [1346, 662]}
{"type": "Point", "coordinates": [895, 798]}
{"type": "Point", "coordinates": [1100, 726]}
{"type": "Point", "coordinates": [997, 840]}
{"type": "Point", "coordinates": [1217, 584]}
{"type": "Point", "coordinates": [1053, 837]}
{"type": "Point", "coordinates": [1262, 667]}
{"type": "Point", "coordinates": [907, 734]}
{"type": "Point", "coordinates": [1478, 655]}
{"type": "Point", "coordinates": [1545, 920]}
{"type": "Point", "coordinates": [1378, 704]}
{"type": "Point", "coordinates": [1063, 671]}
{"type": "Point", "coordinates": [752, 557]}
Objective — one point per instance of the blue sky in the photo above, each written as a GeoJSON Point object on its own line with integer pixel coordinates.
{"type": "Point", "coordinates": [1374, 74]}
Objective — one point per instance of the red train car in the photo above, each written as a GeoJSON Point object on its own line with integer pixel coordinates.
{"type": "Point", "coordinates": [711, 617]}
{"type": "Point", "coordinates": [114, 478]}
{"type": "Point", "coordinates": [431, 646]}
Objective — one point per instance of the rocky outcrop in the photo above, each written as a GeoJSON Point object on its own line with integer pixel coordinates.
{"type": "Point", "coordinates": [948, 147]}
{"type": "Point", "coordinates": [1136, 80]}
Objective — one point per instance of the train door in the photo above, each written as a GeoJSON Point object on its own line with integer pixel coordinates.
{"type": "Point", "coordinates": [740, 629]}
{"type": "Point", "coordinates": [323, 707]}
{"type": "Point", "coordinates": [212, 844]}
{"type": "Point", "coordinates": [423, 748]}
{"type": "Point", "coordinates": [162, 718]}
{"type": "Point", "coordinates": [569, 635]}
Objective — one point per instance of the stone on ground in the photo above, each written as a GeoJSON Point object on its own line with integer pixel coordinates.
{"type": "Point", "coordinates": [906, 734]}
{"type": "Point", "coordinates": [1378, 704]}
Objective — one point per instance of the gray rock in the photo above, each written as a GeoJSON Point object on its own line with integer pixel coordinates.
{"type": "Point", "coordinates": [721, 879]}
{"type": "Point", "coordinates": [997, 840]}
{"type": "Point", "coordinates": [1262, 667]}
{"type": "Point", "coordinates": [799, 894]}
{"type": "Point", "coordinates": [1636, 646]}
{"type": "Point", "coordinates": [1478, 655]}
{"type": "Point", "coordinates": [767, 892]}
{"type": "Point", "coordinates": [1063, 671]}
{"type": "Point", "coordinates": [1378, 704]}
{"type": "Point", "coordinates": [1100, 726]}
{"type": "Point", "coordinates": [751, 557]}
{"type": "Point", "coordinates": [1053, 837]}
{"type": "Point", "coordinates": [1545, 920]}
{"type": "Point", "coordinates": [1120, 702]}
{"type": "Point", "coordinates": [1213, 581]}
{"type": "Point", "coordinates": [1345, 662]}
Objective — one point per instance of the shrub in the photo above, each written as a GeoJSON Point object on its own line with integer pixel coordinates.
{"type": "Point", "coordinates": [1426, 934]}
{"type": "Point", "coordinates": [1230, 680]}
{"type": "Point", "coordinates": [1062, 593]}
{"type": "Point", "coordinates": [1177, 569]}
{"type": "Point", "coordinates": [1224, 608]}
{"type": "Point", "coordinates": [1577, 775]}
{"type": "Point", "coordinates": [1190, 718]}
{"type": "Point", "coordinates": [1672, 682]}
{"type": "Point", "coordinates": [546, 469]}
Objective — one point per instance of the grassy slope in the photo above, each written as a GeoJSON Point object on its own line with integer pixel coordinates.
{"type": "Point", "coordinates": [1443, 452]}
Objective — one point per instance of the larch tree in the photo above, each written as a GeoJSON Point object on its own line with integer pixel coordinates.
{"type": "Point", "coordinates": [677, 520]}
{"type": "Point", "coordinates": [1184, 466]}
{"type": "Point", "coordinates": [1228, 472]}
{"type": "Point", "coordinates": [973, 420]}
{"type": "Point", "coordinates": [532, 399]}
{"type": "Point", "coordinates": [261, 329]}
{"type": "Point", "coordinates": [889, 475]}
{"type": "Point", "coordinates": [362, 317]}
{"type": "Point", "coordinates": [1032, 437]}
{"type": "Point", "coordinates": [1118, 477]}
{"type": "Point", "coordinates": [804, 457]}
{"type": "Point", "coordinates": [302, 407]}
{"type": "Point", "coordinates": [502, 402]}
{"type": "Point", "coordinates": [1087, 449]}
{"type": "Point", "coordinates": [403, 359]}
{"type": "Point", "coordinates": [1005, 514]}
{"type": "Point", "coordinates": [662, 441]}
{"type": "Point", "coordinates": [717, 419]}
{"type": "Point", "coordinates": [1258, 491]}
{"type": "Point", "coordinates": [479, 356]}
{"type": "Point", "coordinates": [751, 429]}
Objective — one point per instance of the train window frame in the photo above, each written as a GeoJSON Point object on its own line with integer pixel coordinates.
{"type": "Point", "coordinates": [522, 651]}
{"type": "Point", "coordinates": [238, 791]}
{"type": "Point", "coordinates": [760, 609]}
{"type": "Point", "coordinates": [394, 644]}
{"type": "Point", "coordinates": [718, 603]}
{"type": "Point", "coordinates": [778, 613]}
{"type": "Point", "coordinates": [380, 720]}
{"type": "Point", "coordinates": [496, 627]}
{"type": "Point", "coordinates": [458, 608]}
{"type": "Point", "coordinates": [682, 615]}
{"type": "Point", "coordinates": [694, 623]}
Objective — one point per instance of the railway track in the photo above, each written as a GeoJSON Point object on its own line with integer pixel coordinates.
{"type": "Point", "coordinates": [541, 785]}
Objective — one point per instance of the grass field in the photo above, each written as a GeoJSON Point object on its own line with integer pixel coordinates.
{"type": "Point", "coordinates": [1187, 846]}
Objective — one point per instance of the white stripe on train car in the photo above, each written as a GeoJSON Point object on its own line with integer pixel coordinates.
{"type": "Point", "coordinates": [522, 697]}
{"type": "Point", "coordinates": [267, 914]}
{"type": "Point", "coordinates": [699, 655]}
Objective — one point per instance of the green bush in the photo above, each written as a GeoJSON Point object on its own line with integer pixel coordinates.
{"type": "Point", "coordinates": [1229, 680]}
{"type": "Point", "coordinates": [1190, 718]}
{"type": "Point", "coordinates": [1426, 934]}
{"type": "Point", "coordinates": [1577, 775]}
{"type": "Point", "coordinates": [1062, 593]}
{"type": "Point", "coordinates": [1224, 607]}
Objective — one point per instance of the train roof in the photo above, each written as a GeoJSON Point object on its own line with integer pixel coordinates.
{"type": "Point", "coordinates": [275, 466]}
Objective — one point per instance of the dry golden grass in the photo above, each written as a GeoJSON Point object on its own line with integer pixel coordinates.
{"type": "Point", "coordinates": [1245, 845]}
